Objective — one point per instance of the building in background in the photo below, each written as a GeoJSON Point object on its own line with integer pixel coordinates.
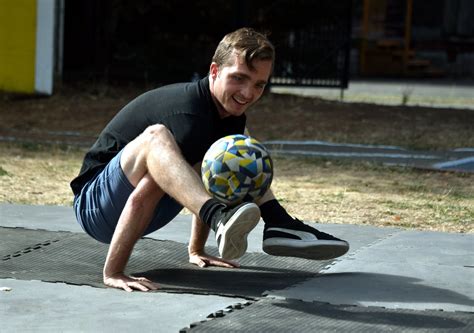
{"type": "Point", "coordinates": [413, 38]}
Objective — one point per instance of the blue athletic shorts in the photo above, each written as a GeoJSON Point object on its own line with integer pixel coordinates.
{"type": "Point", "coordinates": [102, 199]}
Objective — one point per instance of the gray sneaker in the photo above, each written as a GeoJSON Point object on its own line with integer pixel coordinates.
{"type": "Point", "coordinates": [232, 228]}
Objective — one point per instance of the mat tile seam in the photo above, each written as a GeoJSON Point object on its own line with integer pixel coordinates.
{"type": "Point", "coordinates": [218, 314]}
{"type": "Point", "coordinates": [33, 247]}
{"type": "Point", "coordinates": [29, 249]}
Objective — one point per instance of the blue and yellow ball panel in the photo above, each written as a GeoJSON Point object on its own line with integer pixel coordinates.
{"type": "Point", "coordinates": [237, 168]}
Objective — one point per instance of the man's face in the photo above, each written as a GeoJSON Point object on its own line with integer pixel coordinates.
{"type": "Point", "coordinates": [236, 87]}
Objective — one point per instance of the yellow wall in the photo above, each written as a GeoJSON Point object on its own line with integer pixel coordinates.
{"type": "Point", "coordinates": [17, 45]}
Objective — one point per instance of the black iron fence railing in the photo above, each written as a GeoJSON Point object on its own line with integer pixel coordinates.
{"type": "Point", "coordinates": [170, 41]}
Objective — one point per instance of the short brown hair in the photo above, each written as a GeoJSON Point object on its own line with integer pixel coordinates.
{"type": "Point", "coordinates": [248, 43]}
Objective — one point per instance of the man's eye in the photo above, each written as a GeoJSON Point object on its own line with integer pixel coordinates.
{"type": "Point", "coordinates": [237, 78]}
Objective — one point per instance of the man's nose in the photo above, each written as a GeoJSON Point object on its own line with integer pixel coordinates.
{"type": "Point", "coordinates": [247, 92]}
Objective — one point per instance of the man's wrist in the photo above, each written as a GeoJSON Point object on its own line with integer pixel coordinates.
{"type": "Point", "coordinates": [193, 250]}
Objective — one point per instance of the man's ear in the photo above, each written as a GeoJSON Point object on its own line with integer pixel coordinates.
{"type": "Point", "coordinates": [214, 70]}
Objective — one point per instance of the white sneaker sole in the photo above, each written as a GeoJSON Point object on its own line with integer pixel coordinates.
{"type": "Point", "coordinates": [315, 250]}
{"type": "Point", "coordinates": [233, 242]}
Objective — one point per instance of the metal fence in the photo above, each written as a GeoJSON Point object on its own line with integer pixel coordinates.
{"type": "Point", "coordinates": [173, 41]}
{"type": "Point", "coordinates": [312, 39]}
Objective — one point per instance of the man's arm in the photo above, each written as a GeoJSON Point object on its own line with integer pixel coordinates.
{"type": "Point", "coordinates": [199, 235]}
{"type": "Point", "coordinates": [197, 241]}
{"type": "Point", "coordinates": [133, 221]}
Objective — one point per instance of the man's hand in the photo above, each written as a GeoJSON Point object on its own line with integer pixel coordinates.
{"type": "Point", "coordinates": [202, 259]}
{"type": "Point", "coordinates": [130, 283]}
{"type": "Point", "coordinates": [197, 256]}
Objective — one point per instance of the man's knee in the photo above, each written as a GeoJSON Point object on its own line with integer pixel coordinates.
{"type": "Point", "coordinates": [135, 155]}
{"type": "Point", "coordinates": [153, 138]}
{"type": "Point", "coordinates": [160, 142]}
{"type": "Point", "coordinates": [158, 134]}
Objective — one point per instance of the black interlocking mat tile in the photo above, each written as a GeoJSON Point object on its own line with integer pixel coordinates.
{"type": "Point", "coordinates": [75, 258]}
{"type": "Point", "coordinates": [19, 240]}
{"type": "Point", "coordinates": [280, 315]}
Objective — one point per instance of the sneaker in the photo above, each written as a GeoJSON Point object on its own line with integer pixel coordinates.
{"type": "Point", "coordinates": [300, 240]}
{"type": "Point", "coordinates": [232, 228]}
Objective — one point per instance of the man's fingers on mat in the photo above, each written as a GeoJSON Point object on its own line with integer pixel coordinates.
{"type": "Point", "coordinates": [198, 261]}
{"type": "Point", "coordinates": [225, 263]}
{"type": "Point", "coordinates": [144, 282]}
{"type": "Point", "coordinates": [141, 286]}
{"type": "Point", "coordinates": [207, 260]}
{"type": "Point", "coordinates": [144, 279]}
{"type": "Point", "coordinates": [131, 283]}
{"type": "Point", "coordinates": [137, 286]}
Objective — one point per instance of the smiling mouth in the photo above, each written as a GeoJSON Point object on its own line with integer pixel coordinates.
{"type": "Point", "coordinates": [240, 101]}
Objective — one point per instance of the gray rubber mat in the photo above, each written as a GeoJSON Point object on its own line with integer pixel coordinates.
{"type": "Point", "coordinates": [272, 315]}
{"type": "Point", "coordinates": [75, 258]}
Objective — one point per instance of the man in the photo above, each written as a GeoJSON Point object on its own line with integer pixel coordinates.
{"type": "Point", "coordinates": [139, 173]}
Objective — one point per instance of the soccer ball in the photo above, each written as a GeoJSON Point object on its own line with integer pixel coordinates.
{"type": "Point", "coordinates": [237, 168]}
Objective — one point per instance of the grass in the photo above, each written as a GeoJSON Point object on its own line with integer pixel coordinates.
{"type": "Point", "coordinates": [3, 172]}
{"type": "Point", "coordinates": [311, 189]}
{"type": "Point", "coordinates": [36, 174]}
{"type": "Point", "coordinates": [364, 193]}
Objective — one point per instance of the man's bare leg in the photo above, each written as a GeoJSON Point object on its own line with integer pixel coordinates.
{"type": "Point", "coordinates": [154, 165]}
{"type": "Point", "coordinates": [155, 152]}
